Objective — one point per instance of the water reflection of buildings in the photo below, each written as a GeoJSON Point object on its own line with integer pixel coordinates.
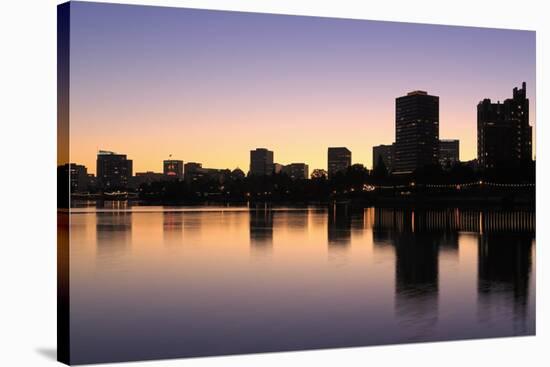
{"type": "Point", "coordinates": [192, 223]}
{"type": "Point", "coordinates": [442, 225]}
{"type": "Point", "coordinates": [416, 281]}
{"type": "Point", "coordinates": [293, 220]}
{"type": "Point", "coordinates": [343, 221]}
{"type": "Point", "coordinates": [172, 226]}
{"type": "Point", "coordinates": [261, 231]}
{"type": "Point", "coordinates": [416, 274]}
{"type": "Point", "coordinates": [504, 271]}
{"type": "Point", "coordinates": [113, 235]}
{"type": "Point", "coordinates": [419, 237]}
{"type": "Point", "coordinates": [339, 225]}
{"type": "Point", "coordinates": [453, 220]}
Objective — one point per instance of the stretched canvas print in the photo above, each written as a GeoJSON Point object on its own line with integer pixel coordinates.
{"type": "Point", "coordinates": [234, 182]}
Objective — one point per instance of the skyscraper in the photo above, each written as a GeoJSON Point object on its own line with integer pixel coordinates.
{"type": "Point", "coordinates": [261, 162]}
{"type": "Point", "coordinates": [384, 153]}
{"type": "Point", "coordinates": [113, 170]}
{"type": "Point", "coordinates": [416, 132]}
{"type": "Point", "coordinates": [173, 168]}
{"type": "Point", "coordinates": [504, 136]}
{"type": "Point", "coordinates": [339, 159]}
{"type": "Point", "coordinates": [449, 152]}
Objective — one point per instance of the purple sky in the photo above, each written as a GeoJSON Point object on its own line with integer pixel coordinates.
{"type": "Point", "coordinates": [208, 86]}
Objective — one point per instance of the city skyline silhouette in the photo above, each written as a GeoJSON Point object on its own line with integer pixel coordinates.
{"type": "Point", "coordinates": [367, 165]}
{"type": "Point", "coordinates": [233, 183]}
{"type": "Point", "coordinates": [202, 86]}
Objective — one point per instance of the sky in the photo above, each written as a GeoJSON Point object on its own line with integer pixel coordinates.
{"type": "Point", "coordinates": [209, 86]}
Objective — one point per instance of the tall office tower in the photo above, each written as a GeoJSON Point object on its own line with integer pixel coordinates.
{"type": "Point", "coordinates": [261, 162]}
{"type": "Point", "coordinates": [173, 168]}
{"type": "Point", "coordinates": [416, 132]}
{"type": "Point", "coordinates": [504, 136]}
{"type": "Point", "coordinates": [384, 153]}
{"type": "Point", "coordinates": [339, 159]}
{"type": "Point", "coordinates": [296, 171]}
{"type": "Point", "coordinates": [449, 152]}
{"type": "Point", "coordinates": [113, 170]}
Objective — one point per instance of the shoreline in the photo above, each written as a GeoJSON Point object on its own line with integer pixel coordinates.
{"type": "Point", "coordinates": [420, 201]}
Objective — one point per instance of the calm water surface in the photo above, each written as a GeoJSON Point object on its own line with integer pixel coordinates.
{"type": "Point", "coordinates": [160, 282]}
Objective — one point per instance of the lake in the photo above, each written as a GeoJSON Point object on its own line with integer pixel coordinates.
{"type": "Point", "coordinates": [162, 282]}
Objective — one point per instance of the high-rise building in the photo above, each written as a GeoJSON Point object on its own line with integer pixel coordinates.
{"type": "Point", "coordinates": [383, 153]}
{"type": "Point", "coordinates": [77, 175]}
{"type": "Point", "coordinates": [261, 162]}
{"type": "Point", "coordinates": [504, 136]}
{"type": "Point", "coordinates": [173, 168]}
{"type": "Point", "coordinates": [339, 159]}
{"type": "Point", "coordinates": [416, 132]}
{"type": "Point", "coordinates": [296, 171]}
{"type": "Point", "coordinates": [113, 170]}
{"type": "Point", "coordinates": [449, 153]}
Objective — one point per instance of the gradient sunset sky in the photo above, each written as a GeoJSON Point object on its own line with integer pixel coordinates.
{"type": "Point", "coordinates": [209, 86]}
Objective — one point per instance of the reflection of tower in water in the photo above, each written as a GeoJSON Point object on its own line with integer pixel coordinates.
{"type": "Point", "coordinates": [261, 231]}
{"type": "Point", "coordinates": [192, 223]}
{"type": "Point", "coordinates": [453, 220]}
{"type": "Point", "coordinates": [172, 227]}
{"type": "Point", "coordinates": [293, 220]}
{"type": "Point", "coordinates": [504, 263]}
{"type": "Point", "coordinates": [113, 234]}
{"type": "Point", "coordinates": [442, 226]}
{"type": "Point", "coordinates": [416, 281]}
{"type": "Point", "coordinates": [342, 220]}
{"type": "Point", "coordinates": [416, 268]}
{"type": "Point", "coordinates": [339, 225]}
{"type": "Point", "coordinates": [504, 270]}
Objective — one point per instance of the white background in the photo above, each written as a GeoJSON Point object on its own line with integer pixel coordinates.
{"type": "Point", "coordinates": [27, 182]}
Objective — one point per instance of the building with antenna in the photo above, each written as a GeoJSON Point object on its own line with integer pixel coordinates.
{"type": "Point", "coordinates": [504, 136]}
{"type": "Point", "coordinates": [173, 168]}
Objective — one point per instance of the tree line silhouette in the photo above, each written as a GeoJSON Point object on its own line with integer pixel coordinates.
{"type": "Point", "coordinates": [355, 183]}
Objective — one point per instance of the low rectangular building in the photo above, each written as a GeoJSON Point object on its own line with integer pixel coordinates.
{"type": "Point", "coordinates": [449, 152]}
{"type": "Point", "coordinates": [383, 153]}
{"type": "Point", "coordinates": [296, 171]}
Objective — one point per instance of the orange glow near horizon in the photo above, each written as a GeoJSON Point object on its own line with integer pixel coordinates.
{"type": "Point", "coordinates": [297, 138]}
{"type": "Point", "coordinates": [209, 86]}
